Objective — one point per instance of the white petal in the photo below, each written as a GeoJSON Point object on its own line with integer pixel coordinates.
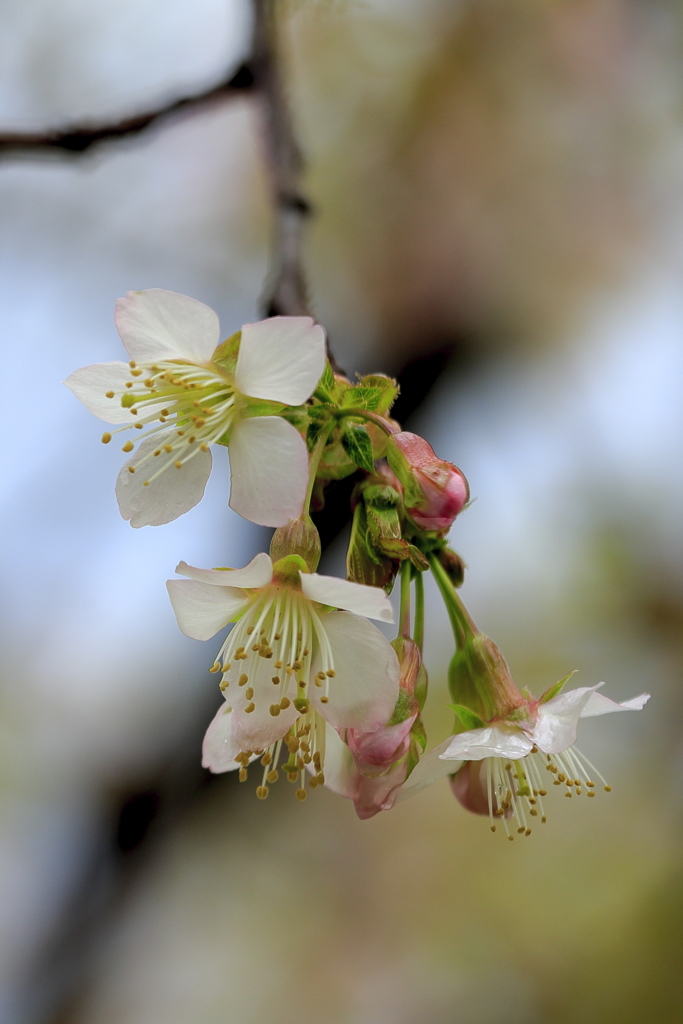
{"type": "Point", "coordinates": [201, 610]}
{"type": "Point", "coordinates": [219, 748]}
{"type": "Point", "coordinates": [90, 384]}
{"type": "Point", "coordinates": [156, 324]}
{"type": "Point", "coordinates": [174, 492]}
{"type": "Point", "coordinates": [341, 775]}
{"type": "Point", "coordinates": [258, 573]}
{"type": "Point", "coordinates": [269, 464]}
{"type": "Point", "coordinates": [558, 721]}
{"type": "Point", "coordinates": [492, 741]}
{"type": "Point", "coordinates": [597, 704]}
{"type": "Point", "coordinates": [430, 768]}
{"type": "Point", "coordinates": [353, 597]}
{"type": "Point", "coordinates": [258, 730]}
{"type": "Point", "coordinates": [281, 359]}
{"type": "Point", "coordinates": [363, 692]}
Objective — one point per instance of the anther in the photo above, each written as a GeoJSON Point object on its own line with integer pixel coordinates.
{"type": "Point", "coordinates": [273, 775]}
{"type": "Point", "coordinates": [215, 667]}
{"type": "Point", "coordinates": [324, 700]}
{"type": "Point", "coordinates": [249, 693]}
{"type": "Point", "coordinates": [132, 364]}
{"type": "Point", "coordinates": [276, 680]}
{"type": "Point", "coordinates": [266, 759]}
{"type": "Point", "coordinates": [243, 774]}
{"type": "Point", "coordinates": [249, 708]}
{"type": "Point", "coordinates": [608, 789]}
{"type": "Point", "coordinates": [250, 630]}
{"type": "Point", "coordinates": [109, 394]}
{"type": "Point", "coordinates": [274, 710]}
{"type": "Point", "coordinates": [168, 449]}
{"type": "Point", "coordinates": [262, 792]}
{"type": "Point", "coordinates": [284, 703]}
{"type": "Point", "coordinates": [244, 678]}
{"type": "Point", "coordinates": [128, 447]}
{"type": "Point", "coordinates": [131, 469]}
{"type": "Point", "coordinates": [106, 438]}
{"type": "Point", "coordinates": [301, 794]}
{"type": "Point", "coordinates": [331, 673]}
{"type": "Point", "coordinates": [178, 465]}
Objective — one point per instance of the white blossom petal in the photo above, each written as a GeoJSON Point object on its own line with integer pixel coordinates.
{"type": "Point", "coordinates": [269, 463]}
{"type": "Point", "coordinates": [90, 384]}
{"type": "Point", "coordinates": [363, 692]}
{"type": "Point", "coordinates": [156, 324]}
{"type": "Point", "coordinates": [491, 741]}
{"type": "Point", "coordinates": [259, 729]}
{"type": "Point", "coordinates": [598, 704]}
{"type": "Point", "coordinates": [557, 724]}
{"type": "Point", "coordinates": [171, 494]}
{"type": "Point", "coordinates": [372, 602]}
{"type": "Point", "coordinates": [258, 573]}
{"type": "Point", "coordinates": [341, 774]}
{"type": "Point", "coordinates": [430, 768]}
{"type": "Point", "coordinates": [201, 610]}
{"type": "Point", "coordinates": [220, 748]}
{"type": "Point", "coordinates": [281, 359]}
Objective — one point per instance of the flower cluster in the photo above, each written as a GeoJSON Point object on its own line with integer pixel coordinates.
{"type": "Point", "coordinates": [311, 688]}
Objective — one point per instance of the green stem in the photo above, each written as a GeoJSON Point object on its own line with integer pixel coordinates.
{"type": "Point", "coordinates": [404, 620]}
{"type": "Point", "coordinates": [314, 462]}
{"type": "Point", "coordinates": [419, 625]}
{"type": "Point", "coordinates": [461, 622]}
{"type": "Point", "coordinates": [371, 417]}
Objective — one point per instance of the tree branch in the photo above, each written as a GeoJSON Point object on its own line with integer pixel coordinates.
{"type": "Point", "coordinates": [76, 140]}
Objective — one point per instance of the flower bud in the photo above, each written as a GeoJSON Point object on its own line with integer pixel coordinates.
{"type": "Point", "coordinates": [376, 752]}
{"type": "Point", "coordinates": [469, 787]}
{"type": "Point", "coordinates": [297, 537]}
{"type": "Point", "coordinates": [435, 491]}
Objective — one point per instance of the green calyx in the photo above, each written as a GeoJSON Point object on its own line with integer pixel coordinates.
{"type": "Point", "coordinates": [298, 538]}
{"type": "Point", "coordinates": [286, 571]}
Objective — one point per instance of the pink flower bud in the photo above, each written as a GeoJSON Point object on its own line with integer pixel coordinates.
{"type": "Point", "coordinates": [469, 787]}
{"type": "Point", "coordinates": [435, 491]}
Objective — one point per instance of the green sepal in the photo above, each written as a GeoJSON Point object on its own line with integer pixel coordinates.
{"type": "Point", "coordinates": [554, 690]}
{"type": "Point", "coordinates": [363, 563]}
{"type": "Point", "coordinates": [358, 446]}
{"type": "Point", "coordinates": [405, 706]}
{"type": "Point", "coordinates": [326, 382]}
{"type": "Point", "coordinates": [469, 719]}
{"type": "Point", "coordinates": [225, 356]}
{"type": "Point", "coordinates": [263, 407]}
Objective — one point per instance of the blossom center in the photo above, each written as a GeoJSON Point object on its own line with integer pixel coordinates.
{"type": "Point", "coordinates": [189, 407]}
{"type": "Point", "coordinates": [266, 666]}
{"type": "Point", "coordinates": [515, 789]}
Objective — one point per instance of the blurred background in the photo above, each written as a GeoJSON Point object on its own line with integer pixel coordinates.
{"type": "Point", "coordinates": [498, 187]}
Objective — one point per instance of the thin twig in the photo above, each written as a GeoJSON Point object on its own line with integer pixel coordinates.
{"type": "Point", "coordinates": [76, 140]}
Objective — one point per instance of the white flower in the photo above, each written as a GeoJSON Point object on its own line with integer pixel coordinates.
{"type": "Point", "coordinates": [290, 663]}
{"type": "Point", "coordinates": [506, 760]}
{"type": "Point", "coordinates": [190, 393]}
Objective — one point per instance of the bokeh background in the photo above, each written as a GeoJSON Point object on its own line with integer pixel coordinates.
{"type": "Point", "coordinates": [498, 186]}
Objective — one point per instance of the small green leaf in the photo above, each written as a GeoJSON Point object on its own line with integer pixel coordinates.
{"type": "Point", "coordinates": [225, 356]}
{"type": "Point", "coordinates": [327, 380]}
{"type": "Point", "coordinates": [554, 690]}
{"type": "Point", "coordinates": [386, 385]}
{"type": "Point", "coordinates": [363, 398]}
{"type": "Point", "coordinates": [358, 446]}
{"type": "Point", "coordinates": [469, 719]}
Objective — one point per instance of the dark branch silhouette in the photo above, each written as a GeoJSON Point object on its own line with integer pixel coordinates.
{"type": "Point", "coordinates": [75, 140]}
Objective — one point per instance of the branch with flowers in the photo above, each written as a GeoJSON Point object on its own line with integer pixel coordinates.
{"type": "Point", "coordinates": [312, 689]}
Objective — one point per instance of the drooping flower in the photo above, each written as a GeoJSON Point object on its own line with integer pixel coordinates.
{"type": "Point", "coordinates": [506, 759]}
{"type": "Point", "coordinates": [290, 663]}
{"type": "Point", "coordinates": [434, 491]}
{"type": "Point", "coordinates": [185, 392]}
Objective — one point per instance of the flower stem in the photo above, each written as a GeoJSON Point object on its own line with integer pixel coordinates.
{"type": "Point", "coordinates": [371, 417]}
{"type": "Point", "coordinates": [419, 624]}
{"type": "Point", "coordinates": [314, 462]}
{"type": "Point", "coordinates": [404, 620]}
{"type": "Point", "coordinates": [461, 622]}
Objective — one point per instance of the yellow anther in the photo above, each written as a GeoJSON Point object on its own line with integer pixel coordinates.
{"type": "Point", "coordinates": [293, 776]}
{"type": "Point", "coordinates": [215, 667]}
{"type": "Point", "coordinates": [313, 783]}
{"type": "Point", "coordinates": [109, 394]}
{"type": "Point", "coordinates": [276, 680]}
{"type": "Point", "coordinates": [243, 680]}
{"type": "Point", "coordinates": [262, 792]}
{"type": "Point", "coordinates": [136, 373]}
{"type": "Point", "coordinates": [591, 792]}
{"type": "Point", "coordinates": [301, 794]}
{"type": "Point", "coordinates": [138, 426]}
{"type": "Point", "coordinates": [266, 759]}
{"type": "Point", "coordinates": [249, 708]}
{"type": "Point", "coordinates": [204, 447]}
{"type": "Point", "coordinates": [274, 710]}
{"type": "Point", "coordinates": [178, 465]}
{"type": "Point", "coordinates": [132, 364]}
{"type": "Point", "coordinates": [533, 812]}
{"type": "Point", "coordinates": [226, 667]}
{"type": "Point", "coordinates": [249, 693]}
{"type": "Point", "coordinates": [106, 438]}
{"type": "Point", "coordinates": [128, 447]}
{"type": "Point", "coordinates": [129, 383]}
{"type": "Point", "coordinates": [528, 832]}
{"type": "Point", "coordinates": [324, 700]}
{"type": "Point", "coordinates": [520, 830]}
{"type": "Point", "coordinates": [273, 775]}
{"type": "Point", "coordinates": [243, 774]}
{"type": "Point", "coordinates": [331, 673]}
{"type": "Point", "coordinates": [608, 789]}
{"type": "Point", "coordinates": [250, 630]}
{"type": "Point", "coordinates": [168, 449]}
{"type": "Point", "coordinates": [284, 703]}
{"type": "Point", "coordinates": [131, 469]}
{"type": "Point", "coordinates": [224, 684]}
